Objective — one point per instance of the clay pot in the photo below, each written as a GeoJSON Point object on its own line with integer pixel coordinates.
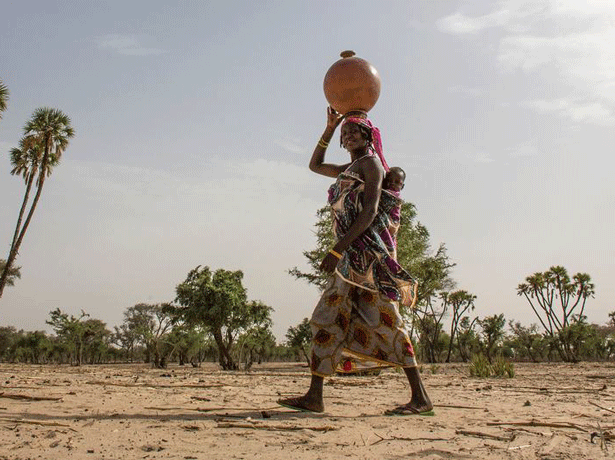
{"type": "Point", "coordinates": [352, 84]}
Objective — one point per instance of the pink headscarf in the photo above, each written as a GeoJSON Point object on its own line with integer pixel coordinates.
{"type": "Point", "coordinates": [376, 139]}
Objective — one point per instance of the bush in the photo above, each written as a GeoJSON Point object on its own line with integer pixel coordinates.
{"type": "Point", "coordinates": [503, 368]}
{"type": "Point", "coordinates": [481, 368]}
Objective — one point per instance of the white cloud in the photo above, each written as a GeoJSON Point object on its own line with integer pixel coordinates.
{"type": "Point", "coordinates": [460, 24]}
{"type": "Point", "coordinates": [579, 111]}
{"type": "Point", "coordinates": [290, 145]}
{"type": "Point", "coordinates": [126, 44]}
{"type": "Point", "coordinates": [481, 157]}
{"type": "Point", "coordinates": [523, 150]}
{"type": "Point", "coordinates": [570, 40]}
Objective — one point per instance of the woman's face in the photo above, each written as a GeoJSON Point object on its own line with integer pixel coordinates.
{"type": "Point", "coordinates": [352, 137]}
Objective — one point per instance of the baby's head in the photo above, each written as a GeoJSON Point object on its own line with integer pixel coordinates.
{"type": "Point", "coordinates": [394, 179]}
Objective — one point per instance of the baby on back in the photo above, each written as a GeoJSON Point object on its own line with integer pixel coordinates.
{"type": "Point", "coordinates": [393, 183]}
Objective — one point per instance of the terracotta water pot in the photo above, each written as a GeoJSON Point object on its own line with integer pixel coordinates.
{"type": "Point", "coordinates": [352, 84]}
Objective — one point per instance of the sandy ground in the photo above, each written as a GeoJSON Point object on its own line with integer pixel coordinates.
{"type": "Point", "coordinates": [547, 411]}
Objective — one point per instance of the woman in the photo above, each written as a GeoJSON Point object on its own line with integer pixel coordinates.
{"type": "Point", "coordinates": [359, 308]}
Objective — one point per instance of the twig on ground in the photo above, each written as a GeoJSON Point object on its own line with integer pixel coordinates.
{"type": "Point", "coordinates": [453, 406]}
{"type": "Point", "coordinates": [155, 385]}
{"type": "Point", "coordinates": [399, 438]}
{"type": "Point", "coordinates": [479, 434]}
{"type": "Point", "coordinates": [525, 430]}
{"type": "Point", "coordinates": [256, 426]}
{"type": "Point", "coordinates": [35, 422]}
{"type": "Point", "coordinates": [204, 409]}
{"type": "Point", "coordinates": [28, 397]}
{"type": "Point", "coordinates": [537, 423]}
{"type": "Point", "coordinates": [603, 408]}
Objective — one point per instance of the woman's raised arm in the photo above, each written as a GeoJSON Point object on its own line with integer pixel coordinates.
{"type": "Point", "coordinates": [317, 162]}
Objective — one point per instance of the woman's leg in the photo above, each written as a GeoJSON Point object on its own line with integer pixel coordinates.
{"type": "Point", "coordinates": [419, 400]}
{"type": "Point", "coordinates": [330, 322]}
{"type": "Point", "coordinates": [312, 401]}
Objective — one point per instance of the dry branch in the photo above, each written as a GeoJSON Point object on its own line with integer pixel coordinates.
{"type": "Point", "coordinates": [29, 398]}
{"type": "Point", "coordinates": [603, 408]}
{"type": "Point", "coordinates": [453, 406]}
{"type": "Point", "coordinates": [537, 423]}
{"type": "Point", "coordinates": [153, 385]}
{"type": "Point", "coordinates": [479, 434]}
{"type": "Point", "coordinates": [254, 426]}
{"type": "Point", "coordinates": [34, 422]}
{"type": "Point", "coordinates": [399, 438]}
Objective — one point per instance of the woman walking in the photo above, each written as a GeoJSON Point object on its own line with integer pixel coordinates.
{"type": "Point", "coordinates": [359, 308]}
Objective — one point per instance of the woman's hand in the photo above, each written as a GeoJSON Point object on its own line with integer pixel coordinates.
{"type": "Point", "coordinates": [333, 118]}
{"type": "Point", "coordinates": [329, 263]}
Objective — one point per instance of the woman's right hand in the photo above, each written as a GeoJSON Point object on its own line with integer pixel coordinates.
{"type": "Point", "coordinates": [333, 117]}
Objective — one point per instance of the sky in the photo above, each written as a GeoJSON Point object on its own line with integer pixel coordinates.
{"type": "Point", "coordinates": [195, 123]}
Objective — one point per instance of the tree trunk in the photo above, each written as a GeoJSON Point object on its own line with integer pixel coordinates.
{"type": "Point", "coordinates": [225, 358]}
{"type": "Point", "coordinates": [5, 272]}
{"type": "Point", "coordinates": [15, 248]}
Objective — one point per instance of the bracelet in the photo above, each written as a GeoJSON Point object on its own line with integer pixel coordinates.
{"type": "Point", "coordinates": [324, 144]}
{"type": "Point", "coordinates": [336, 254]}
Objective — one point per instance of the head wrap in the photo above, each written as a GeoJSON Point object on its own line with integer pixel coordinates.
{"type": "Point", "coordinates": [376, 139]}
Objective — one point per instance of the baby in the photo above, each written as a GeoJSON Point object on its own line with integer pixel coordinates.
{"type": "Point", "coordinates": [393, 183]}
{"type": "Point", "coordinates": [394, 180]}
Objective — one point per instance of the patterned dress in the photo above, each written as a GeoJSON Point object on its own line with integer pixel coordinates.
{"type": "Point", "coordinates": [359, 308]}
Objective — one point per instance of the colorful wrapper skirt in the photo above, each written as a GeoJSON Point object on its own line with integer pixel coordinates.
{"type": "Point", "coordinates": [364, 323]}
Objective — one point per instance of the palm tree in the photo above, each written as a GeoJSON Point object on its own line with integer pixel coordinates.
{"type": "Point", "coordinates": [14, 273]}
{"type": "Point", "coordinates": [46, 136]}
{"type": "Point", "coordinates": [4, 98]}
{"type": "Point", "coordinates": [25, 160]}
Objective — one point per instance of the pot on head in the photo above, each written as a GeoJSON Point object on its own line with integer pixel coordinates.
{"type": "Point", "coordinates": [352, 84]}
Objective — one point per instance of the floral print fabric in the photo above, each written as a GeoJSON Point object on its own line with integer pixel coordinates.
{"type": "Point", "coordinates": [367, 324]}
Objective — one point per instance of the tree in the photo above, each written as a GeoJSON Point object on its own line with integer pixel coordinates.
{"type": "Point", "coordinates": [491, 335]}
{"type": "Point", "coordinates": [49, 130]}
{"type": "Point", "coordinates": [8, 337]}
{"type": "Point", "coordinates": [187, 343]}
{"type": "Point", "coordinates": [71, 331]}
{"type": "Point", "coordinates": [299, 337]}
{"type": "Point", "coordinates": [126, 339]}
{"type": "Point", "coordinates": [150, 324]}
{"type": "Point", "coordinates": [32, 347]}
{"type": "Point", "coordinates": [257, 343]}
{"type": "Point", "coordinates": [527, 340]}
{"type": "Point", "coordinates": [4, 98]}
{"type": "Point", "coordinates": [217, 301]}
{"type": "Point", "coordinates": [428, 322]}
{"type": "Point", "coordinates": [459, 302]}
{"type": "Point", "coordinates": [25, 160]}
{"type": "Point", "coordinates": [558, 302]}
{"type": "Point", "coordinates": [13, 273]}
{"type": "Point", "coordinates": [467, 339]}
{"type": "Point", "coordinates": [324, 242]}
{"type": "Point", "coordinates": [96, 340]}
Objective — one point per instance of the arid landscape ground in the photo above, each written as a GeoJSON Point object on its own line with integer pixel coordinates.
{"type": "Point", "coordinates": [131, 411]}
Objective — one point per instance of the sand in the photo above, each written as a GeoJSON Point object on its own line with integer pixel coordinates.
{"type": "Point", "coordinates": [131, 411]}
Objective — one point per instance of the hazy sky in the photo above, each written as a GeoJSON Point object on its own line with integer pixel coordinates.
{"type": "Point", "coordinates": [195, 122]}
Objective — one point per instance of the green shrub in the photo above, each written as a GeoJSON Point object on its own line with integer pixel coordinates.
{"type": "Point", "coordinates": [503, 368]}
{"type": "Point", "coordinates": [480, 366]}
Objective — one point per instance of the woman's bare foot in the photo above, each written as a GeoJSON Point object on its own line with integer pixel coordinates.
{"type": "Point", "coordinates": [303, 403]}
